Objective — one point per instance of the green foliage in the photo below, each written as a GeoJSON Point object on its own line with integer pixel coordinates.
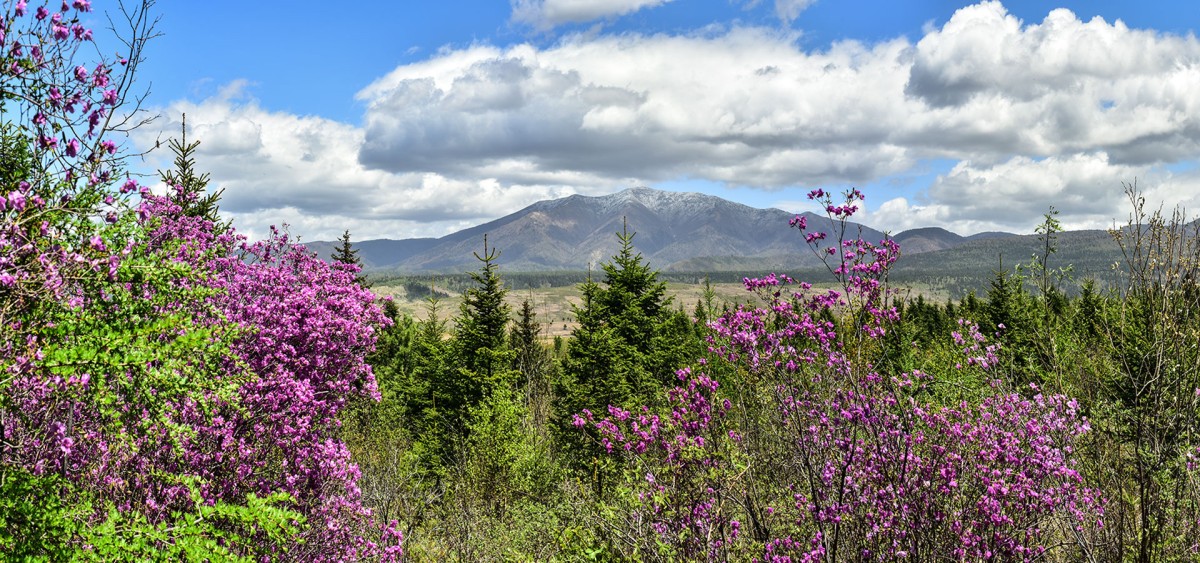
{"type": "Point", "coordinates": [412, 364]}
{"type": "Point", "coordinates": [191, 186]}
{"type": "Point", "coordinates": [218, 532]}
{"type": "Point", "coordinates": [506, 461]}
{"type": "Point", "coordinates": [481, 327]}
{"type": "Point", "coordinates": [39, 516]}
{"type": "Point", "coordinates": [16, 159]}
{"type": "Point", "coordinates": [503, 488]}
{"type": "Point", "coordinates": [533, 362]}
{"type": "Point", "coordinates": [346, 254]}
{"type": "Point", "coordinates": [45, 518]}
{"type": "Point", "coordinates": [596, 360]}
{"type": "Point", "coordinates": [629, 341]}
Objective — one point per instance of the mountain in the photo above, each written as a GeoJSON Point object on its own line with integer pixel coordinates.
{"type": "Point", "coordinates": [378, 253]}
{"type": "Point", "coordinates": [674, 231]}
{"type": "Point", "coordinates": [972, 265]}
{"type": "Point", "coordinates": [928, 239]}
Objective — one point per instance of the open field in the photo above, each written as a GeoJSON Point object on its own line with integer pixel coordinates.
{"type": "Point", "coordinates": [554, 304]}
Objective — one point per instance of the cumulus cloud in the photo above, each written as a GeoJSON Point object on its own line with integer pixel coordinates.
{"type": "Point", "coordinates": [744, 107]}
{"type": "Point", "coordinates": [1057, 112]}
{"type": "Point", "coordinates": [280, 168]}
{"type": "Point", "coordinates": [546, 14]}
{"type": "Point", "coordinates": [752, 107]}
{"type": "Point", "coordinates": [1013, 195]}
{"type": "Point", "coordinates": [994, 84]}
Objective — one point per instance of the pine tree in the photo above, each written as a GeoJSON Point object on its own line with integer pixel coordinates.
{"type": "Point", "coordinates": [479, 356]}
{"type": "Point", "coordinates": [346, 254]}
{"type": "Point", "coordinates": [483, 318]}
{"type": "Point", "coordinates": [395, 358]}
{"type": "Point", "coordinates": [596, 363]}
{"type": "Point", "coordinates": [1001, 300]}
{"type": "Point", "coordinates": [427, 401]}
{"type": "Point", "coordinates": [532, 361]}
{"type": "Point", "coordinates": [706, 304]}
{"type": "Point", "coordinates": [633, 289]}
{"type": "Point", "coordinates": [629, 341]}
{"type": "Point", "coordinates": [192, 188]}
{"type": "Point", "coordinates": [524, 335]}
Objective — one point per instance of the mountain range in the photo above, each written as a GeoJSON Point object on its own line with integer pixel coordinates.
{"type": "Point", "coordinates": [674, 231]}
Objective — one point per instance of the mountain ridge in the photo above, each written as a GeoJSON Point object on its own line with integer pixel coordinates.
{"type": "Point", "coordinates": [673, 231]}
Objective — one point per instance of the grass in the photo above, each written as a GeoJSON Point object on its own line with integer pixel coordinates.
{"type": "Point", "coordinates": [554, 304]}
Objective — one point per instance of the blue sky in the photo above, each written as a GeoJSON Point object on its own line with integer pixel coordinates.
{"type": "Point", "coordinates": [400, 119]}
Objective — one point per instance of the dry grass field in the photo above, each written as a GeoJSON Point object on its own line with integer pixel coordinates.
{"type": "Point", "coordinates": [553, 304]}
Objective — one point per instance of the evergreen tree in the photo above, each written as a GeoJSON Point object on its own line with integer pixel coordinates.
{"type": "Point", "coordinates": [595, 363]}
{"type": "Point", "coordinates": [192, 187]}
{"type": "Point", "coordinates": [524, 338]}
{"type": "Point", "coordinates": [629, 341]}
{"type": "Point", "coordinates": [706, 305]}
{"type": "Point", "coordinates": [1001, 301]}
{"type": "Point", "coordinates": [423, 393]}
{"type": "Point", "coordinates": [532, 361]}
{"type": "Point", "coordinates": [480, 357]}
{"type": "Point", "coordinates": [1090, 308]}
{"type": "Point", "coordinates": [346, 254]}
{"type": "Point", "coordinates": [482, 320]}
{"type": "Point", "coordinates": [395, 362]}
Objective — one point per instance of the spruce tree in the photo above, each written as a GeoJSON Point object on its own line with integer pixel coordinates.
{"type": "Point", "coordinates": [524, 337]}
{"type": "Point", "coordinates": [480, 357]}
{"type": "Point", "coordinates": [634, 298]}
{"type": "Point", "coordinates": [483, 317]}
{"type": "Point", "coordinates": [629, 341]}
{"type": "Point", "coordinates": [192, 193]}
{"type": "Point", "coordinates": [427, 401]}
{"type": "Point", "coordinates": [532, 361]}
{"type": "Point", "coordinates": [596, 363]}
{"type": "Point", "coordinates": [395, 361]}
{"type": "Point", "coordinates": [345, 253]}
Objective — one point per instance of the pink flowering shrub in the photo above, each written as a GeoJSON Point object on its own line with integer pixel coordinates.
{"type": "Point", "coordinates": [682, 467]}
{"type": "Point", "coordinates": [797, 448]}
{"type": "Point", "coordinates": [234, 363]}
{"type": "Point", "coordinates": [304, 328]}
{"type": "Point", "coordinates": [167, 390]}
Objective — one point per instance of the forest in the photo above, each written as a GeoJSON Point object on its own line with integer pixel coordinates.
{"type": "Point", "coordinates": [174, 391]}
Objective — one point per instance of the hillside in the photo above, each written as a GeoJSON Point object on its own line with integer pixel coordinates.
{"type": "Point", "coordinates": [674, 231]}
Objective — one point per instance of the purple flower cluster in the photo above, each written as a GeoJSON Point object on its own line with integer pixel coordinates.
{"type": "Point", "coordinates": [151, 361]}
{"type": "Point", "coordinates": [303, 329]}
{"type": "Point", "coordinates": [827, 458]}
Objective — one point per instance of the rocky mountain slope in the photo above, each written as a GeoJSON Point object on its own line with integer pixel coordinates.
{"type": "Point", "coordinates": [674, 231]}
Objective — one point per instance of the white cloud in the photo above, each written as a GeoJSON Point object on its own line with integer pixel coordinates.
{"type": "Point", "coordinates": [752, 107]}
{"type": "Point", "coordinates": [789, 10]}
{"type": "Point", "coordinates": [280, 168]}
{"type": "Point", "coordinates": [744, 107]}
{"type": "Point", "coordinates": [1013, 195]}
{"type": "Point", "coordinates": [1057, 112]}
{"type": "Point", "coordinates": [995, 85]}
{"type": "Point", "coordinates": [546, 14]}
